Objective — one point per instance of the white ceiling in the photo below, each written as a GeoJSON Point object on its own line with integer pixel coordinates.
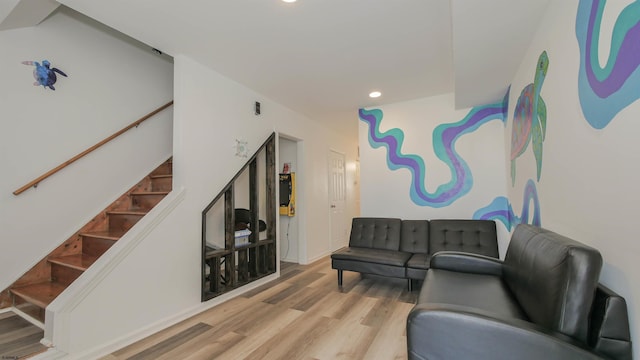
{"type": "Point", "coordinates": [321, 58]}
{"type": "Point", "coordinates": [490, 38]}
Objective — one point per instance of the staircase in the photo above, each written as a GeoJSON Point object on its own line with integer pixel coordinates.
{"type": "Point", "coordinates": [50, 277]}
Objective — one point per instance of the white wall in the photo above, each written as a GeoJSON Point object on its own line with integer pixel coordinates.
{"type": "Point", "coordinates": [111, 83]}
{"type": "Point", "coordinates": [158, 282]}
{"type": "Point", "coordinates": [386, 192]}
{"type": "Point", "coordinates": [587, 188]}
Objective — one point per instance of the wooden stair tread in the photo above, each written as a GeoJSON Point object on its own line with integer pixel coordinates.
{"type": "Point", "coordinates": [128, 212]}
{"type": "Point", "coordinates": [50, 277]}
{"type": "Point", "coordinates": [108, 235]}
{"type": "Point", "coordinates": [35, 312]}
{"type": "Point", "coordinates": [77, 261]}
{"type": "Point", "coordinates": [165, 193]}
{"type": "Point", "coordinates": [40, 294]}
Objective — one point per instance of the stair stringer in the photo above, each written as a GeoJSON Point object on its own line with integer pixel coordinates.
{"type": "Point", "coordinates": [59, 312]}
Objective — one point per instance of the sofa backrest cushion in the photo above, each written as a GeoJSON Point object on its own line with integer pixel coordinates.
{"type": "Point", "coordinates": [553, 278]}
{"type": "Point", "coordinates": [415, 236]}
{"type": "Point", "coordinates": [375, 233]}
{"type": "Point", "coordinates": [474, 236]}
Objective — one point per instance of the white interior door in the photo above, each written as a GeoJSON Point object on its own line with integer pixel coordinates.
{"type": "Point", "coordinates": [337, 200]}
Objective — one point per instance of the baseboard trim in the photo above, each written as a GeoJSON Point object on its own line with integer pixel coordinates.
{"type": "Point", "coordinates": [51, 354]}
{"type": "Point", "coordinates": [316, 258]}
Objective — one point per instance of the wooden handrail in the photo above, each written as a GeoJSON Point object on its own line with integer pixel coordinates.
{"type": "Point", "coordinates": [35, 182]}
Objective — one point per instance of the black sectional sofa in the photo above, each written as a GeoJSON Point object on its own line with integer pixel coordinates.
{"type": "Point", "coordinates": [403, 248]}
{"type": "Point", "coordinates": [542, 302]}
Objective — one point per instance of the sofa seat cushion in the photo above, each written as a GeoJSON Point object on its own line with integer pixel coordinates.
{"type": "Point", "coordinates": [376, 256]}
{"type": "Point", "coordinates": [476, 291]}
{"type": "Point", "coordinates": [419, 261]}
{"type": "Point", "coordinates": [417, 266]}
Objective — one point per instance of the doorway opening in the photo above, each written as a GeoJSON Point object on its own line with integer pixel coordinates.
{"type": "Point", "coordinates": [290, 171]}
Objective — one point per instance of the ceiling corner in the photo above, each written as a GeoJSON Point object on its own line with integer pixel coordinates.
{"type": "Point", "coordinates": [24, 13]}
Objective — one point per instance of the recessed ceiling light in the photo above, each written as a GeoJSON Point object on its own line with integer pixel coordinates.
{"type": "Point", "coordinates": [375, 94]}
{"type": "Point", "coordinates": [289, 1]}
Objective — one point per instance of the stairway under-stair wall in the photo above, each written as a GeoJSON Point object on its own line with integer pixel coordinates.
{"type": "Point", "coordinates": [39, 286]}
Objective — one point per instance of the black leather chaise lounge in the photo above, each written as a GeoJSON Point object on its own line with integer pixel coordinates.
{"type": "Point", "coordinates": [542, 302]}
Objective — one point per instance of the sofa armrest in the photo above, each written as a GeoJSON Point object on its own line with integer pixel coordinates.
{"type": "Point", "coordinates": [442, 331]}
{"type": "Point", "coordinates": [466, 262]}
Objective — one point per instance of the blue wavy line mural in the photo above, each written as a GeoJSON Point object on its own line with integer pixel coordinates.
{"type": "Point", "coordinates": [444, 139]}
{"type": "Point", "coordinates": [501, 210]}
{"type": "Point", "coordinates": [605, 91]}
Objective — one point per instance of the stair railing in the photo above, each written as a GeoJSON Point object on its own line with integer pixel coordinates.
{"type": "Point", "coordinates": [34, 183]}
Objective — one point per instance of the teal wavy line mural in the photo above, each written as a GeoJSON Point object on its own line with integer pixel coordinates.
{"type": "Point", "coordinates": [530, 119]}
{"type": "Point", "coordinates": [444, 139]}
{"type": "Point", "coordinates": [605, 91]}
{"type": "Point", "coordinates": [501, 210]}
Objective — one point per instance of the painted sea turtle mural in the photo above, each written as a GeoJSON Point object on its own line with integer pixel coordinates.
{"type": "Point", "coordinates": [44, 74]}
{"type": "Point", "coordinates": [530, 119]}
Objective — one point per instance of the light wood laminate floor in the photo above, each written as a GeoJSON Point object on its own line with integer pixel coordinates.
{"type": "Point", "coordinates": [18, 337]}
{"type": "Point", "coordinates": [302, 315]}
